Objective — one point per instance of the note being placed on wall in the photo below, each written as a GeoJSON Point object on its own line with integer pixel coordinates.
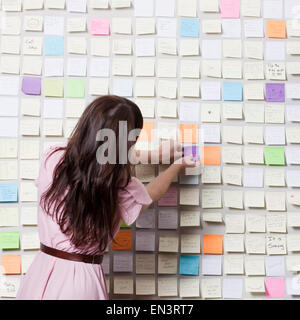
{"type": "Point", "coordinates": [211, 198]}
{"type": "Point", "coordinates": [212, 265]}
{"type": "Point", "coordinates": [211, 288]}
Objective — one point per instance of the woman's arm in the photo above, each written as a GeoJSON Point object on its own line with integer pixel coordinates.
{"type": "Point", "coordinates": [167, 152]}
{"type": "Point", "coordinates": [160, 185]}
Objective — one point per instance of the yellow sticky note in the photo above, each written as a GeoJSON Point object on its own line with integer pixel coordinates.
{"type": "Point", "coordinates": [53, 87]}
{"type": "Point", "coordinates": [276, 29]}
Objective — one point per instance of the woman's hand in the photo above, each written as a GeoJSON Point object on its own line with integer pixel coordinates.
{"type": "Point", "coordinates": [169, 151]}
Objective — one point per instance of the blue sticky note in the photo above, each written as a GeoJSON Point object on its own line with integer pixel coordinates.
{"type": "Point", "coordinates": [54, 46]}
{"type": "Point", "coordinates": [189, 265]}
{"type": "Point", "coordinates": [189, 27]}
{"type": "Point", "coordinates": [232, 91]}
{"type": "Point", "coordinates": [8, 193]}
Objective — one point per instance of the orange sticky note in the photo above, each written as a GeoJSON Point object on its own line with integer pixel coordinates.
{"type": "Point", "coordinates": [276, 29]}
{"type": "Point", "coordinates": [122, 240]}
{"type": "Point", "coordinates": [147, 132]}
{"type": "Point", "coordinates": [211, 155]}
{"type": "Point", "coordinates": [11, 263]}
{"type": "Point", "coordinates": [212, 244]}
{"type": "Point", "coordinates": [188, 133]}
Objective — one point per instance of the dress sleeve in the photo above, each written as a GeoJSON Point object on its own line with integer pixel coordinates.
{"type": "Point", "coordinates": [131, 200]}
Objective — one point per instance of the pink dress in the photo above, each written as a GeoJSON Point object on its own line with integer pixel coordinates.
{"type": "Point", "coordinates": [52, 278]}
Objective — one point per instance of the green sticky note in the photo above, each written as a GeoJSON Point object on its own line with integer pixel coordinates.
{"type": "Point", "coordinates": [9, 240]}
{"type": "Point", "coordinates": [74, 88]}
{"type": "Point", "coordinates": [53, 87]}
{"type": "Point", "coordinates": [124, 225]}
{"type": "Point", "coordinates": [274, 156]}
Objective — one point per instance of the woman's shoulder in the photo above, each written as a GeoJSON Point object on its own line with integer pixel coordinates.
{"type": "Point", "coordinates": [135, 189]}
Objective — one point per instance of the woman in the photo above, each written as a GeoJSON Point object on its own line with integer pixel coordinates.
{"type": "Point", "coordinates": [82, 201]}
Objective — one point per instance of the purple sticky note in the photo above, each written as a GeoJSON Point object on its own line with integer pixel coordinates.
{"type": "Point", "coordinates": [275, 92]}
{"type": "Point", "coordinates": [188, 150]}
{"type": "Point", "coordinates": [31, 85]}
{"type": "Point", "coordinates": [275, 287]}
{"type": "Point", "coordinates": [169, 199]}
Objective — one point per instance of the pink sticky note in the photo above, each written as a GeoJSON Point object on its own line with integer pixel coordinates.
{"type": "Point", "coordinates": [230, 8]}
{"type": "Point", "coordinates": [100, 26]}
{"type": "Point", "coordinates": [275, 287]}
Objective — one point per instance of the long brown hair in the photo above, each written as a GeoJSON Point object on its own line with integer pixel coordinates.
{"type": "Point", "coordinates": [87, 212]}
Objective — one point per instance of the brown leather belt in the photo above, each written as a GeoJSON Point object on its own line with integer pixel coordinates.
{"type": "Point", "coordinates": [72, 256]}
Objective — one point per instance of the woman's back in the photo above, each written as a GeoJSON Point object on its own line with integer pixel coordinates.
{"type": "Point", "coordinates": [53, 278]}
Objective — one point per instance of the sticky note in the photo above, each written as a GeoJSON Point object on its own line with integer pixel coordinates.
{"type": "Point", "coordinates": [230, 8]}
{"type": "Point", "coordinates": [147, 133]}
{"type": "Point", "coordinates": [54, 46]}
{"type": "Point", "coordinates": [232, 91]}
{"type": "Point", "coordinates": [275, 92]}
{"type": "Point", "coordinates": [275, 287]}
{"type": "Point", "coordinates": [53, 87]}
{"type": "Point", "coordinates": [11, 263]}
{"type": "Point", "coordinates": [100, 26]}
{"type": "Point", "coordinates": [189, 27]}
{"type": "Point", "coordinates": [188, 150]}
{"type": "Point", "coordinates": [188, 133]}
{"type": "Point", "coordinates": [276, 29]}
{"type": "Point", "coordinates": [169, 199]}
{"type": "Point", "coordinates": [124, 225]}
{"type": "Point", "coordinates": [274, 156]}
{"type": "Point", "coordinates": [211, 155]}
{"type": "Point", "coordinates": [212, 244]}
{"type": "Point", "coordinates": [123, 240]}
{"type": "Point", "coordinates": [74, 88]}
{"type": "Point", "coordinates": [9, 240]}
{"type": "Point", "coordinates": [8, 193]}
{"type": "Point", "coordinates": [189, 265]}
{"type": "Point", "coordinates": [31, 85]}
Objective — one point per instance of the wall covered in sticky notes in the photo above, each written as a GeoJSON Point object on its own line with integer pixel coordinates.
{"type": "Point", "coordinates": [221, 76]}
